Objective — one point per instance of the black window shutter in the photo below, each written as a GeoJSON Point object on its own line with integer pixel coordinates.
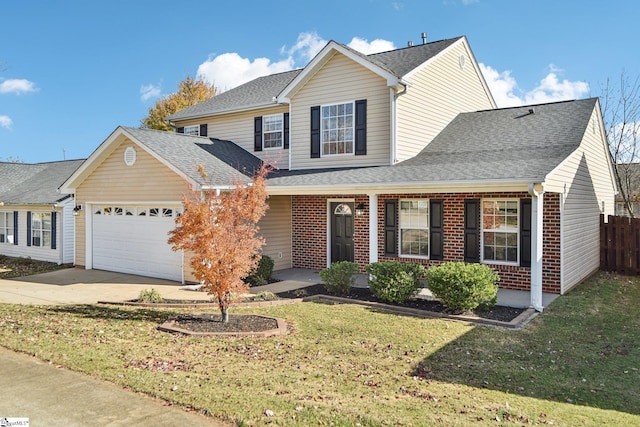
{"type": "Point", "coordinates": [15, 227]}
{"type": "Point", "coordinates": [285, 137]}
{"type": "Point", "coordinates": [29, 228]}
{"type": "Point", "coordinates": [203, 130]}
{"type": "Point", "coordinates": [436, 240]}
{"type": "Point", "coordinates": [315, 132]}
{"type": "Point", "coordinates": [257, 133]}
{"type": "Point", "coordinates": [472, 230]}
{"type": "Point", "coordinates": [361, 127]}
{"type": "Point", "coordinates": [390, 227]}
{"type": "Point", "coordinates": [54, 229]}
{"type": "Point", "coordinates": [525, 232]}
{"type": "Point", "coordinates": [180, 130]}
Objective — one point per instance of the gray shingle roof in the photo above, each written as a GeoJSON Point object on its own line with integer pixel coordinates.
{"type": "Point", "coordinates": [494, 145]}
{"type": "Point", "coordinates": [34, 184]}
{"type": "Point", "coordinates": [261, 91]}
{"type": "Point", "coordinates": [222, 160]}
{"type": "Point", "coordinates": [257, 92]}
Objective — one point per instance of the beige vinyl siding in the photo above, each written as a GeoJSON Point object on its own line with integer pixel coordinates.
{"type": "Point", "coordinates": [113, 181]}
{"type": "Point", "coordinates": [438, 91]}
{"type": "Point", "coordinates": [584, 182]}
{"type": "Point", "coordinates": [34, 252]}
{"type": "Point", "coordinates": [238, 127]}
{"type": "Point", "coordinates": [275, 227]}
{"type": "Point", "coordinates": [341, 80]}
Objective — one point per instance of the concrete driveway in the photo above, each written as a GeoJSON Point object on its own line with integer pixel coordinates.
{"type": "Point", "coordinates": [80, 286]}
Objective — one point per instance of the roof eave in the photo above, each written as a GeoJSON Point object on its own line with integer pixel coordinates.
{"type": "Point", "coordinates": [494, 185]}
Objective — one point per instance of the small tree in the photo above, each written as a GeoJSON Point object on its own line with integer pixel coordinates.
{"type": "Point", "coordinates": [190, 92]}
{"type": "Point", "coordinates": [220, 231]}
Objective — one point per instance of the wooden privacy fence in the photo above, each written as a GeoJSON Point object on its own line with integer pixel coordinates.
{"type": "Point", "coordinates": [620, 245]}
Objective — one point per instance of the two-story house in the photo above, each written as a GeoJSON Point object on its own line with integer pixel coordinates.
{"type": "Point", "coordinates": [399, 155]}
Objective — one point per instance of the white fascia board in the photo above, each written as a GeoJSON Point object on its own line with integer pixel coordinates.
{"type": "Point", "coordinates": [321, 58]}
{"type": "Point", "coordinates": [424, 187]}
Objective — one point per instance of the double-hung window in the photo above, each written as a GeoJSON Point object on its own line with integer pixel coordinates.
{"type": "Point", "coordinates": [272, 131]}
{"type": "Point", "coordinates": [6, 227]}
{"type": "Point", "coordinates": [500, 231]}
{"type": "Point", "coordinates": [336, 133]}
{"type": "Point", "coordinates": [41, 229]}
{"type": "Point", "coordinates": [414, 227]}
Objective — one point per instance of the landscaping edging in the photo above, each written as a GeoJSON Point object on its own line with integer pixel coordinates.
{"type": "Point", "coordinates": [520, 321]}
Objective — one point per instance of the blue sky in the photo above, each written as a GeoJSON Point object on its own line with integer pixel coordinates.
{"type": "Point", "coordinates": [71, 71]}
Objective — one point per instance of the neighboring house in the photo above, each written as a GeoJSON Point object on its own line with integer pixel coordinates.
{"type": "Point", "coordinates": [399, 155]}
{"type": "Point", "coordinates": [630, 179]}
{"type": "Point", "coordinates": [36, 220]}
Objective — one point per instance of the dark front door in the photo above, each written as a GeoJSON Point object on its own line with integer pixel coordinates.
{"type": "Point", "coordinates": [341, 231]}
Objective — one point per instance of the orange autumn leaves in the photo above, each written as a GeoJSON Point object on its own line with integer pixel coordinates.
{"type": "Point", "coordinates": [220, 233]}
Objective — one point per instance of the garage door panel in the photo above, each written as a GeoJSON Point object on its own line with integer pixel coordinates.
{"type": "Point", "coordinates": [135, 244]}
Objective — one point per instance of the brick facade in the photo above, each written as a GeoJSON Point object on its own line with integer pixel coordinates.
{"type": "Point", "coordinates": [309, 234]}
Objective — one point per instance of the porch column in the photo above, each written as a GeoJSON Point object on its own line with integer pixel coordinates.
{"type": "Point", "coordinates": [537, 215]}
{"type": "Point", "coordinates": [373, 228]}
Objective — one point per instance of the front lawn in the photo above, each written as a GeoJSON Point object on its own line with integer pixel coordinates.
{"type": "Point", "coordinates": [576, 364]}
{"type": "Point", "coordinates": [18, 267]}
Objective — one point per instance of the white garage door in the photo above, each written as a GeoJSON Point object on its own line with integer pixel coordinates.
{"type": "Point", "coordinates": [133, 239]}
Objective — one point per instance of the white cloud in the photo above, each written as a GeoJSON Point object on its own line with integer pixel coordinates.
{"type": "Point", "coordinates": [229, 70]}
{"type": "Point", "coordinates": [376, 46]}
{"type": "Point", "coordinates": [6, 122]}
{"type": "Point", "coordinates": [149, 91]}
{"type": "Point", "coordinates": [507, 93]}
{"type": "Point", "coordinates": [17, 86]}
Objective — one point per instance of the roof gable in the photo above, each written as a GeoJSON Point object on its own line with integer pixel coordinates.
{"type": "Point", "coordinates": [224, 161]}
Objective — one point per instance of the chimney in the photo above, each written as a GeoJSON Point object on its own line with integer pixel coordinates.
{"type": "Point", "coordinates": [424, 38]}
{"type": "Point", "coordinates": [409, 43]}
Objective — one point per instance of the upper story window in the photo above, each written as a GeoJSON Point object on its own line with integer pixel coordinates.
{"type": "Point", "coordinates": [272, 131]}
{"type": "Point", "coordinates": [192, 130]}
{"type": "Point", "coordinates": [414, 227]}
{"type": "Point", "coordinates": [336, 132]}
{"type": "Point", "coordinates": [41, 229]}
{"type": "Point", "coordinates": [500, 231]}
{"type": "Point", "coordinates": [6, 227]}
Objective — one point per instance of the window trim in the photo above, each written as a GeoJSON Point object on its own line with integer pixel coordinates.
{"type": "Point", "coordinates": [9, 225]}
{"type": "Point", "coordinates": [427, 229]}
{"type": "Point", "coordinates": [41, 229]}
{"type": "Point", "coordinates": [193, 130]}
{"type": "Point", "coordinates": [517, 232]}
{"type": "Point", "coordinates": [280, 116]}
{"type": "Point", "coordinates": [353, 129]}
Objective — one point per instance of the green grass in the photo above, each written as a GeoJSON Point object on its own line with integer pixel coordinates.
{"type": "Point", "coordinates": [575, 365]}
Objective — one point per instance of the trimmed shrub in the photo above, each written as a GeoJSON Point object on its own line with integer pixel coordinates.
{"type": "Point", "coordinates": [393, 281]}
{"type": "Point", "coordinates": [463, 287]}
{"type": "Point", "coordinates": [150, 296]}
{"type": "Point", "coordinates": [339, 277]}
{"type": "Point", "coordinates": [262, 273]}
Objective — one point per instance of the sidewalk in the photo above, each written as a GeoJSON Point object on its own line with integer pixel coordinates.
{"type": "Point", "coordinates": [49, 396]}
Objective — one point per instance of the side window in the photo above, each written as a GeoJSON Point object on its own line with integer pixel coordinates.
{"type": "Point", "coordinates": [414, 227]}
{"type": "Point", "coordinates": [500, 231]}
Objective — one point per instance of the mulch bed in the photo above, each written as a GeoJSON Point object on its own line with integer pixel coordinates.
{"type": "Point", "coordinates": [498, 313]}
{"type": "Point", "coordinates": [213, 323]}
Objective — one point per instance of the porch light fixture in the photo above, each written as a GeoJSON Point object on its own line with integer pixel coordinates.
{"type": "Point", "coordinates": [360, 209]}
{"type": "Point", "coordinates": [76, 210]}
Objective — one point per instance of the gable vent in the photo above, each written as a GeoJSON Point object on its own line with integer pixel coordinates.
{"type": "Point", "coordinates": [129, 156]}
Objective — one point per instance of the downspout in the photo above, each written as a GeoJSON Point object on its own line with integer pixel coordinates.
{"type": "Point", "coordinates": [536, 191]}
{"type": "Point", "coordinates": [394, 95]}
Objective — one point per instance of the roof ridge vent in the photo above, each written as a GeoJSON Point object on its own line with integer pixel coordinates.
{"type": "Point", "coordinates": [424, 38]}
{"type": "Point", "coordinates": [409, 43]}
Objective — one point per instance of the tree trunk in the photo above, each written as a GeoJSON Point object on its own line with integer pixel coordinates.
{"type": "Point", "coordinates": [224, 310]}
